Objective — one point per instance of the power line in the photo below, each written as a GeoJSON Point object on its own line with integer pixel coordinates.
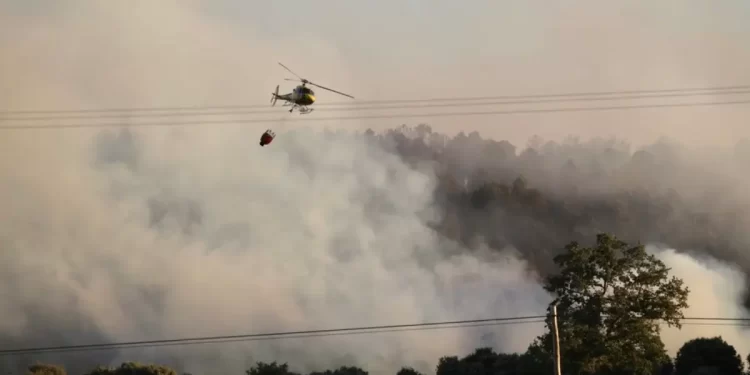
{"type": "Point", "coordinates": [365, 107]}
{"type": "Point", "coordinates": [718, 324]}
{"type": "Point", "coordinates": [365, 117]}
{"type": "Point", "coordinates": [282, 335]}
{"type": "Point", "coordinates": [532, 96]}
{"type": "Point", "coordinates": [232, 340]}
{"type": "Point", "coordinates": [733, 322]}
{"type": "Point", "coordinates": [721, 319]}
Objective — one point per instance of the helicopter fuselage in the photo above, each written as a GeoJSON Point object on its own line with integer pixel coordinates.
{"type": "Point", "coordinates": [301, 96]}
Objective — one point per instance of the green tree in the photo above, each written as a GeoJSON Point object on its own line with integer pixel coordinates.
{"type": "Point", "coordinates": [133, 368]}
{"type": "Point", "coordinates": [46, 369]}
{"type": "Point", "coordinates": [273, 368]}
{"type": "Point", "coordinates": [708, 354]}
{"type": "Point", "coordinates": [484, 361]}
{"type": "Point", "coordinates": [536, 360]}
{"type": "Point", "coordinates": [343, 370]}
{"type": "Point", "coordinates": [408, 371]}
{"type": "Point", "coordinates": [611, 298]}
{"type": "Point", "coordinates": [449, 366]}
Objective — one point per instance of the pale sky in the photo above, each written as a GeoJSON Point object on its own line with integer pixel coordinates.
{"type": "Point", "coordinates": [225, 52]}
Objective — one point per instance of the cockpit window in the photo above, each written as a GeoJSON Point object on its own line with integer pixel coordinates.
{"type": "Point", "coordinates": [306, 90]}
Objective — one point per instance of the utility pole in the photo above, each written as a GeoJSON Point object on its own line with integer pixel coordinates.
{"type": "Point", "coordinates": [556, 333]}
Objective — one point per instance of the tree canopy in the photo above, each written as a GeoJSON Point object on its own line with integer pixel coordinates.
{"type": "Point", "coordinates": [343, 370]}
{"type": "Point", "coordinates": [611, 298]}
{"type": "Point", "coordinates": [484, 361]}
{"type": "Point", "coordinates": [273, 368]}
{"type": "Point", "coordinates": [708, 354]}
{"type": "Point", "coordinates": [133, 368]}
{"type": "Point", "coordinates": [46, 369]}
{"type": "Point", "coordinates": [408, 371]}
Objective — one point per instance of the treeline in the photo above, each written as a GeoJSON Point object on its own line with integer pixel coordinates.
{"type": "Point", "coordinates": [701, 356]}
{"type": "Point", "coordinates": [611, 298]}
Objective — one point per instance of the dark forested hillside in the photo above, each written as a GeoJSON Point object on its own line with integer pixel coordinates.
{"type": "Point", "coordinates": [546, 193]}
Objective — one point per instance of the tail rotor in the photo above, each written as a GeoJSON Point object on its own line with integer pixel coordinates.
{"type": "Point", "coordinates": [275, 96]}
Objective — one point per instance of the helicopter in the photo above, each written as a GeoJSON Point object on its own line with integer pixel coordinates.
{"type": "Point", "coordinates": [301, 97]}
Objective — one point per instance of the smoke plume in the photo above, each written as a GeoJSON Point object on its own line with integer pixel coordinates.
{"type": "Point", "coordinates": [119, 235]}
{"type": "Point", "coordinates": [716, 290]}
{"type": "Point", "coordinates": [174, 237]}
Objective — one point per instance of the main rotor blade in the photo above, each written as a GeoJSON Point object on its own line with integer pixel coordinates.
{"type": "Point", "coordinates": [326, 88]}
{"type": "Point", "coordinates": [290, 71]}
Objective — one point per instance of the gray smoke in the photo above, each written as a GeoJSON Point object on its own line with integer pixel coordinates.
{"type": "Point", "coordinates": [131, 235]}
{"type": "Point", "coordinates": [172, 235]}
{"type": "Point", "coordinates": [690, 206]}
{"type": "Point", "coordinates": [664, 193]}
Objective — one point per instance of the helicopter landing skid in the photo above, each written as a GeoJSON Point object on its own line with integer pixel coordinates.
{"type": "Point", "coordinates": [302, 110]}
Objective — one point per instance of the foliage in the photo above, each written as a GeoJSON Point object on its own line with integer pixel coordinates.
{"type": "Point", "coordinates": [133, 368]}
{"type": "Point", "coordinates": [273, 368]}
{"type": "Point", "coordinates": [484, 361]}
{"type": "Point", "coordinates": [46, 369]}
{"type": "Point", "coordinates": [708, 353]}
{"type": "Point", "coordinates": [343, 370]}
{"type": "Point", "coordinates": [408, 371]}
{"type": "Point", "coordinates": [611, 299]}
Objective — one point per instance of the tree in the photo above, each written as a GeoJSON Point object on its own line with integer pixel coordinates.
{"type": "Point", "coordinates": [484, 361]}
{"type": "Point", "coordinates": [707, 354]}
{"type": "Point", "coordinates": [343, 370]}
{"type": "Point", "coordinates": [536, 360]}
{"type": "Point", "coordinates": [449, 366]}
{"type": "Point", "coordinates": [45, 369]}
{"type": "Point", "coordinates": [611, 298]}
{"type": "Point", "coordinates": [133, 368]}
{"type": "Point", "coordinates": [408, 371]}
{"type": "Point", "coordinates": [273, 368]}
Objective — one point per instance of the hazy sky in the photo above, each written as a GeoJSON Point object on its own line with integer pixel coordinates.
{"type": "Point", "coordinates": [225, 52]}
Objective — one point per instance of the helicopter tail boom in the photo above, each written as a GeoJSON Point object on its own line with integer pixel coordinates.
{"type": "Point", "coordinates": [275, 96]}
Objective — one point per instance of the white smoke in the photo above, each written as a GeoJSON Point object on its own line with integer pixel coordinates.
{"type": "Point", "coordinates": [164, 237]}
{"type": "Point", "coordinates": [716, 291]}
{"type": "Point", "coordinates": [161, 234]}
